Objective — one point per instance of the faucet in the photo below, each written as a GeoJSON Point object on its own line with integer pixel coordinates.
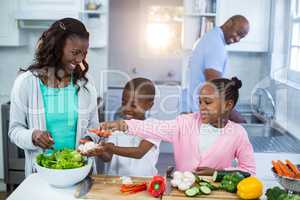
{"type": "Point", "coordinates": [259, 109]}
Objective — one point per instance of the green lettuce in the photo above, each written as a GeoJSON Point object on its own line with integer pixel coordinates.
{"type": "Point", "coordinates": [61, 159]}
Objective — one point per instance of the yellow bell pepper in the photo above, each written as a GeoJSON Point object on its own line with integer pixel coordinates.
{"type": "Point", "coordinates": [250, 188]}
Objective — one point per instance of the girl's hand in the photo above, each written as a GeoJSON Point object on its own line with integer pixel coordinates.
{"type": "Point", "coordinates": [119, 125]}
{"type": "Point", "coordinates": [106, 128]}
{"type": "Point", "coordinates": [42, 139]}
{"type": "Point", "coordinates": [205, 171]}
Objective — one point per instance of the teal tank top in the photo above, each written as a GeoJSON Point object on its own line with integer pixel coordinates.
{"type": "Point", "coordinates": [61, 114]}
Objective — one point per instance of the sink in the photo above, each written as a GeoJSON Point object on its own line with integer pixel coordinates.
{"type": "Point", "coordinates": [262, 130]}
{"type": "Point", "coordinates": [251, 118]}
{"type": "Point", "coordinates": [267, 139]}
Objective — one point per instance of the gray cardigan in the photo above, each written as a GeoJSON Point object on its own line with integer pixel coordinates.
{"type": "Point", "coordinates": [27, 114]}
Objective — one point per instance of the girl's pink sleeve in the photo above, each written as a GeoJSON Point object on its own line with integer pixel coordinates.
{"type": "Point", "coordinates": [164, 130]}
{"type": "Point", "coordinates": [245, 155]}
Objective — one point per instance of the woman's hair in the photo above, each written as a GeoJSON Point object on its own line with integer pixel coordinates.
{"type": "Point", "coordinates": [227, 88]}
{"type": "Point", "coordinates": [50, 46]}
{"type": "Point", "coordinates": [143, 86]}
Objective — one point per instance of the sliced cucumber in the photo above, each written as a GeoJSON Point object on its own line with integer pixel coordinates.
{"type": "Point", "coordinates": [203, 184]}
{"type": "Point", "coordinates": [205, 190]}
{"type": "Point", "coordinates": [192, 192]}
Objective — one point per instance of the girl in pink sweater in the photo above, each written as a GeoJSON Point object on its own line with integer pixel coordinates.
{"type": "Point", "coordinates": [204, 141]}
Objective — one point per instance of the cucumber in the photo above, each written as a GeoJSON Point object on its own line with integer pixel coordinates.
{"type": "Point", "coordinates": [192, 192]}
{"type": "Point", "coordinates": [219, 175]}
{"type": "Point", "coordinates": [205, 190]}
{"type": "Point", "coordinates": [204, 184]}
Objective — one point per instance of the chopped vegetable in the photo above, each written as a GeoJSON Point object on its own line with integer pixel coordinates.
{"type": "Point", "coordinates": [87, 146]}
{"type": "Point", "coordinates": [276, 193]}
{"type": "Point", "coordinates": [286, 171]}
{"type": "Point", "coordinates": [157, 186]}
{"type": "Point", "coordinates": [183, 180]}
{"type": "Point", "coordinates": [192, 192]}
{"type": "Point", "coordinates": [250, 188]}
{"type": "Point", "coordinates": [61, 159]}
{"type": "Point", "coordinates": [292, 167]}
{"type": "Point", "coordinates": [277, 168]}
{"type": "Point", "coordinates": [230, 182]}
{"type": "Point", "coordinates": [133, 188]}
{"type": "Point", "coordinates": [101, 133]}
{"type": "Point", "coordinates": [218, 175]}
{"type": "Point", "coordinates": [205, 190]}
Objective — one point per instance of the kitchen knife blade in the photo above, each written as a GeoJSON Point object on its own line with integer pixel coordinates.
{"type": "Point", "coordinates": [84, 187]}
{"type": "Point", "coordinates": [169, 177]}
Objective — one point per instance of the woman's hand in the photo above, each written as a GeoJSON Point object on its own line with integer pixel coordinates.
{"type": "Point", "coordinates": [42, 139]}
{"type": "Point", "coordinates": [205, 171]}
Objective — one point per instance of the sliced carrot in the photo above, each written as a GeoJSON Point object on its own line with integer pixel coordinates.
{"type": "Point", "coordinates": [285, 170]}
{"type": "Point", "coordinates": [292, 167]}
{"type": "Point", "coordinates": [277, 168]}
{"type": "Point", "coordinates": [101, 133]}
{"type": "Point", "coordinates": [133, 188]}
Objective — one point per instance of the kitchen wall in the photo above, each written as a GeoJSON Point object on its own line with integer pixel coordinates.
{"type": "Point", "coordinates": [12, 58]}
{"type": "Point", "coordinates": [125, 41]}
{"type": "Point", "coordinates": [124, 52]}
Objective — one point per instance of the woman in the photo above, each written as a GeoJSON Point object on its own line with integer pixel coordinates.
{"type": "Point", "coordinates": [204, 141]}
{"type": "Point", "coordinates": [53, 102]}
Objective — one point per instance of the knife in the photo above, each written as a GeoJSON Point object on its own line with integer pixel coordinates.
{"type": "Point", "coordinates": [169, 177]}
{"type": "Point", "coordinates": [84, 187]}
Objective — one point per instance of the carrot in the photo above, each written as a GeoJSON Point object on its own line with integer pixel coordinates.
{"type": "Point", "coordinates": [133, 188]}
{"type": "Point", "coordinates": [292, 167]}
{"type": "Point", "coordinates": [277, 168]}
{"type": "Point", "coordinates": [285, 170]}
{"type": "Point", "coordinates": [101, 133]}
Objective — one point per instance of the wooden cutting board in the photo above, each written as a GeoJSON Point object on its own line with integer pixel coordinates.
{"type": "Point", "coordinates": [217, 195]}
{"type": "Point", "coordinates": [108, 188]}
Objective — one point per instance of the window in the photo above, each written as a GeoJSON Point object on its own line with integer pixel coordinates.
{"type": "Point", "coordinates": [162, 35]}
{"type": "Point", "coordinates": [294, 42]}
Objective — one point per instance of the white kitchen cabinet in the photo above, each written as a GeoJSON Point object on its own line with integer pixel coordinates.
{"type": "Point", "coordinates": [166, 102]}
{"type": "Point", "coordinates": [113, 100]}
{"type": "Point", "coordinates": [256, 11]}
{"type": "Point", "coordinates": [49, 5]}
{"type": "Point", "coordinates": [10, 35]}
{"type": "Point", "coordinates": [96, 22]}
{"type": "Point", "coordinates": [258, 14]}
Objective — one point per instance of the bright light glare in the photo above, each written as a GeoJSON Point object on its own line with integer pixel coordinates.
{"type": "Point", "coordinates": [158, 36]}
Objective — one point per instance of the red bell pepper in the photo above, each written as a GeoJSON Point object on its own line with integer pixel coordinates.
{"type": "Point", "coordinates": [157, 186]}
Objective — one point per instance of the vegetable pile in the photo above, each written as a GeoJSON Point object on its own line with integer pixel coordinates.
{"type": "Point", "coordinates": [287, 169]}
{"type": "Point", "coordinates": [276, 193]}
{"type": "Point", "coordinates": [61, 159]}
{"type": "Point", "coordinates": [191, 184]}
{"type": "Point", "coordinates": [239, 182]}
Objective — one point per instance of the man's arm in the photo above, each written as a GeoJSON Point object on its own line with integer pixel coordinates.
{"type": "Point", "coordinates": [236, 117]}
{"type": "Point", "coordinates": [211, 74]}
{"type": "Point", "coordinates": [131, 152]}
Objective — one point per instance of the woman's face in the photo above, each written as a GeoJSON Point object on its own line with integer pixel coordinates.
{"type": "Point", "coordinates": [213, 107]}
{"type": "Point", "coordinates": [74, 52]}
